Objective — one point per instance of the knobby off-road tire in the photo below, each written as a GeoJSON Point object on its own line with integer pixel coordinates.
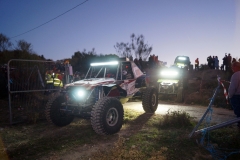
{"type": "Point", "coordinates": [150, 100]}
{"type": "Point", "coordinates": [107, 116]}
{"type": "Point", "coordinates": [53, 113]}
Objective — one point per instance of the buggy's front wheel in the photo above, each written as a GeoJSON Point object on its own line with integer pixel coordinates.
{"type": "Point", "coordinates": [107, 116]}
{"type": "Point", "coordinates": [55, 112]}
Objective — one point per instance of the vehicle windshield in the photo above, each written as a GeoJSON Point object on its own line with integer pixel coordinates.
{"type": "Point", "coordinates": [98, 70]}
{"type": "Point", "coordinates": [182, 61]}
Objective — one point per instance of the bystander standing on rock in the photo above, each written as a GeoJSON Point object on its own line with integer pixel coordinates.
{"type": "Point", "coordinates": [234, 89]}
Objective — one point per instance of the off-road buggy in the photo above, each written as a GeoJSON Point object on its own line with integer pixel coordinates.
{"type": "Point", "coordinates": [100, 95]}
{"type": "Point", "coordinates": [183, 62]}
{"type": "Point", "coordinates": [171, 80]}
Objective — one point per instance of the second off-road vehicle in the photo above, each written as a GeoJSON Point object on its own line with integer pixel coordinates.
{"type": "Point", "coordinates": [100, 95]}
{"type": "Point", "coordinates": [171, 80]}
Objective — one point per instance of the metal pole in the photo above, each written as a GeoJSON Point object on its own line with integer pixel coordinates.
{"type": "Point", "coordinates": [9, 93]}
{"type": "Point", "coordinates": [219, 125]}
{"type": "Point", "coordinates": [208, 109]}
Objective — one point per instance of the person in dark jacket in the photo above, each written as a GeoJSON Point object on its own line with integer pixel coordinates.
{"type": "Point", "coordinates": [209, 60]}
{"type": "Point", "coordinates": [225, 64]}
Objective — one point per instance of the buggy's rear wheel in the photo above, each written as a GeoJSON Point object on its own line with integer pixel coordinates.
{"type": "Point", "coordinates": [107, 116]}
{"type": "Point", "coordinates": [150, 100]}
{"type": "Point", "coordinates": [54, 111]}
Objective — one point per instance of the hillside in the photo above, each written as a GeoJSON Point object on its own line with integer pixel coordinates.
{"type": "Point", "coordinates": [202, 85]}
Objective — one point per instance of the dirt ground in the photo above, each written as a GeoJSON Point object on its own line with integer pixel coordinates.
{"type": "Point", "coordinates": [104, 143]}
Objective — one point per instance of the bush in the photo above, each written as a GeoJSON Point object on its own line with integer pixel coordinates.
{"type": "Point", "coordinates": [177, 119]}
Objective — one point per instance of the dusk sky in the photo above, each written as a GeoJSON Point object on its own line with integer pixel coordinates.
{"type": "Point", "coordinates": [195, 28]}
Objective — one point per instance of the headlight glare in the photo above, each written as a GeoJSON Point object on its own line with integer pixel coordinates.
{"type": "Point", "coordinates": [169, 73]}
{"type": "Point", "coordinates": [81, 93]}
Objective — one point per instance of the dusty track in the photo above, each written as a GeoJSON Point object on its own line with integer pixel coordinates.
{"type": "Point", "coordinates": [219, 115]}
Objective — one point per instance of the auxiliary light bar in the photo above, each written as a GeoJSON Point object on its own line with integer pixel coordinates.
{"type": "Point", "coordinates": [182, 58]}
{"type": "Point", "coordinates": [169, 73]}
{"type": "Point", "coordinates": [104, 63]}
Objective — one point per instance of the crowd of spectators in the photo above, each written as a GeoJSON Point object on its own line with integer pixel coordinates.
{"type": "Point", "coordinates": [213, 62]}
{"type": "Point", "coordinates": [152, 62]}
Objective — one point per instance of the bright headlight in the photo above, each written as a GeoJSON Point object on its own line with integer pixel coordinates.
{"type": "Point", "coordinates": [181, 65]}
{"type": "Point", "coordinates": [81, 93]}
{"type": "Point", "coordinates": [169, 73]}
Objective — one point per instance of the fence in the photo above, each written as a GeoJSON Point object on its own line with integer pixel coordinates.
{"type": "Point", "coordinates": [28, 90]}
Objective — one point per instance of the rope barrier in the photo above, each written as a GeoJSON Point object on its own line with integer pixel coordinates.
{"type": "Point", "coordinates": [224, 90]}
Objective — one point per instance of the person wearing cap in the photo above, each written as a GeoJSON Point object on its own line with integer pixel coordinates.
{"type": "Point", "coordinates": [234, 89]}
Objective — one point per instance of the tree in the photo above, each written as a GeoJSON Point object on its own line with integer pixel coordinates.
{"type": "Point", "coordinates": [136, 46]}
{"type": "Point", "coordinates": [80, 60]}
{"type": "Point", "coordinates": [123, 49]}
{"type": "Point", "coordinates": [141, 49]}
{"type": "Point", "coordinates": [24, 46]}
{"type": "Point", "coordinates": [5, 43]}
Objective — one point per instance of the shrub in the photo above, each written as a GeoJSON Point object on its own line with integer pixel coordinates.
{"type": "Point", "coordinates": [177, 119]}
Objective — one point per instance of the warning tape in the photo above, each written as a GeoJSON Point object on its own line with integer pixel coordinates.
{"type": "Point", "coordinates": [225, 81]}
{"type": "Point", "coordinates": [224, 90]}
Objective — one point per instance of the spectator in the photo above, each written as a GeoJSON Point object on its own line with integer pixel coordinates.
{"type": "Point", "coordinates": [197, 64]}
{"type": "Point", "coordinates": [213, 62]}
{"type": "Point", "coordinates": [225, 64]}
{"type": "Point", "coordinates": [216, 63]}
{"type": "Point", "coordinates": [234, 60]}
{"type": "Point", "coordinates": [234, 89]}
{"type": "Point", "coordinates": [209, 60]}
{"type": "Point", "coordinates": [229, 60]}
{"type": "Point", "coordinates": [151, 61]}
{"type": "Point", "coordinates": [222, 67]}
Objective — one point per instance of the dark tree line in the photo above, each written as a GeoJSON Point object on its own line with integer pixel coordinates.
{"type": "Point", "coordinates": [80, 60]}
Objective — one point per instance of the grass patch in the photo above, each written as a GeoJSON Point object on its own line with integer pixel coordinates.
{"type": "Point", "coordinates": [160, 138]}
{"type": "Point", "coordinates": [33, 141]}
{"type": "Point", "coordinates": [150, 137]}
